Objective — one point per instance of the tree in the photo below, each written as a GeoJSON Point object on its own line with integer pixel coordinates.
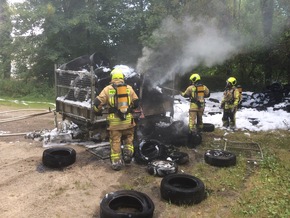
{"type": "Point", "coordinates": [5, 40]}
{"type": "Point", "coordinates": [120, 28]}
{"type": "Point", "coordinates": [73, 28]}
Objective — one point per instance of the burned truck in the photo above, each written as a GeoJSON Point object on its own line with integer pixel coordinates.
{"type": "Point", "coordinates": [79, 81]}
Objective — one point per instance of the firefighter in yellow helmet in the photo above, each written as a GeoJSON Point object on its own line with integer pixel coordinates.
{"type": "Point", "coordinates": [196, 92]}
{"type": "Point", "coordinates": [120, 99]}
{"type": "Point", "coordinates": [229, 103]}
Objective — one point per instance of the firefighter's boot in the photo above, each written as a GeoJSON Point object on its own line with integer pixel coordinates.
{"type": "Point", "coordinates": [116, 162]}
{"type": "Point", "coordinates": [117, 165]}
{"type": "Point", "coordinates": [128, 152]}
{"type": "Point", "coordinates": [232, 125]}
{"type": "Point", "coordinates": [199, 128]}
{"type": "Point", "coordinates": [225, 123]}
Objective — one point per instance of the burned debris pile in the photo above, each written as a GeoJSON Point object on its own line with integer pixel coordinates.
{"type": "Point", "coordinates": [272, 96]}
{"type": "Point", "coordinates": [80, 80]}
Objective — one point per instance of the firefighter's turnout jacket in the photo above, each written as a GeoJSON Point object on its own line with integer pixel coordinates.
{"type": "Point", "coordinates": [121, 125]}
{"type": "Point", "coordinates": [230, 101]}
{"type": "Point", "coordinates": [108, 97]}
{"type": "Point", "coordinates": [231, 98]}
{"type": "Point", "coordinates": [196, 92]}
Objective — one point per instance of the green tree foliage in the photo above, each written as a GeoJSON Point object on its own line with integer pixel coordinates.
{"type": "Point", "coordinates": [73, 28]}
{"type": "Point", "coordinates": [5, 40]}
{"type": "Point", "coordinates": [64, 30]}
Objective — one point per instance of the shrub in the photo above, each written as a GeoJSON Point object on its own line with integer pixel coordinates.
{"type": "Point", "coordinates": [26, 89]}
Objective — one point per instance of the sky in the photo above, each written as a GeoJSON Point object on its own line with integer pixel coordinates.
{"type": "Point", "coordinates": [15, 1]}
{"type": "Point", "coordinates": [267, 120]}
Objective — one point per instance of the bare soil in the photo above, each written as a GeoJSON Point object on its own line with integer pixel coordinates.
{"type": "Point", "coordinates": [29, 189]}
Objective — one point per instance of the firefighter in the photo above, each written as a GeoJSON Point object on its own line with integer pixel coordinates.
{"type": "Point", "coordinates": [120, 99]}
{"type": "Point", "coordinates": [196, 92]}
{"type": "Point", "coordinates": [230, 102]}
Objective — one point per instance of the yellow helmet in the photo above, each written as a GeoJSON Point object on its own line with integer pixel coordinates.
{"type": "Point", "coordinates": [232, 81]}
{"type": "Point", "coordinates": [117, 74]}
{"type": "Point", "coordinates": [194, 77]}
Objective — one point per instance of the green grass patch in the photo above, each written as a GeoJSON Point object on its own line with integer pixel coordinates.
{"type": "Point", "coordinates": [26, 94]}
{"type": "Point", "coordinates": [26, 90]}
{"type": "Point", "coordinates": [268, 193]}
{"type": "Point", "coordinates": [250, 190]}
{"type": "Point", "coordinates": [26, 104]}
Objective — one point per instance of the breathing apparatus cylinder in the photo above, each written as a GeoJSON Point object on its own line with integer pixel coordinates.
{"type": "Point", "coordinates": [122, 98]}
{"type": "Point", "coordinates": [200, 91]}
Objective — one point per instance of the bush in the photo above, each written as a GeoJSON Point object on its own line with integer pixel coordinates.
{"type": "Point", "coordinates": [26, 89]}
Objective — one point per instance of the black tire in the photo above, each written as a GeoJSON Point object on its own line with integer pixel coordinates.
{"type": "Point", "coordinates": [194, 140]}
{"type": "Point", "coordinates": [149, 150]}
{"type": "Point", "coordinates": [182, 189]}
{"type": "Point", "coordinates": [162, 168]}
{"type": "Point", "coordinates": [58, 157]}
{"type": "Point", "coordinates": [208, 127]}
{"type": "Point", "coordinates": [126, 203]}
{"type": "Point", "coordinates": [220, 158]}
{"type": "Point", "coordinates": [179, 157]}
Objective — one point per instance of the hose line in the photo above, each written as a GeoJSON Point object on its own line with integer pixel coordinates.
{"type": "Point", "coordinates": [23, 117]}
{"type": "Point", "coordinates": [13, 134]}
{"type": "Point", "coordinates": [3, 112]}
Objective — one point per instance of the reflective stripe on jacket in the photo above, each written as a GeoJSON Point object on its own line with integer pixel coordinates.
{"type": "Point", "coordinates": [231, 98]}
{"type": "Point", "coordinates": [197, 93]}
{"type": "Point", "coordinates": [107, 97]}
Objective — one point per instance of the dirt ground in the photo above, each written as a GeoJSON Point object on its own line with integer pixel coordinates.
{"type": "Point", "coordinates": [29, 189]}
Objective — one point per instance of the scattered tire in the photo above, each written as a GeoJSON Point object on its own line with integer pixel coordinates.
{"type": "Point", "coordinates": [148, 150]}
{"type": "Point", "coordinates": [220, 158]}
{"type": "Point", "coordinates": [58, 157]}
{"type": "Point", "coordinates": [162, 168]}
{"type": "Point", "coordinates": [179, 157]}
{"type": "Point", "coordinates": [194, 140]}
{"type": "Point", "coordinates": [126, 203]}
{"type": "Point", "coordinates": [182, 189]}
{"type": "Point", "coordinates": [208, 127]}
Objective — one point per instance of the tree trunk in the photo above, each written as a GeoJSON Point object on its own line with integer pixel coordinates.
{"type": "Point", "coordinates": [267, 9]}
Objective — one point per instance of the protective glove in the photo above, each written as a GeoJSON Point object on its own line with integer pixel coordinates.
{"type": "Point", "coordinates": [135, 104]}
{"type": "Point", "coordinates": [222, 106]}
{"type": "Point", "coordinates": [97, 111]}
{"type": "Point", "coordinates": [234, 109]}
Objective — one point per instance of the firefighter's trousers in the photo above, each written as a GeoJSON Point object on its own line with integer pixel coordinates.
{"type": "Point", "coordinates": [229, 118]}
{"type": "Point", "coordinates": [195, 119]}
{"type": "Point", "coordinates": [117, 137]}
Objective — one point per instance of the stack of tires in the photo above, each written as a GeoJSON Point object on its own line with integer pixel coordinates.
{"type": "Point", "coordinates": [160, 159]}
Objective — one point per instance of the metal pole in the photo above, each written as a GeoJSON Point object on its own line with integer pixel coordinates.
{"type": "Point", "coordinates": [92, 93]}
{"type": "Point", "coordinates": [56, 94]}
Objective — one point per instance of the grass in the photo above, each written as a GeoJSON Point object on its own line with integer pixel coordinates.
{"type": "Point", "coordinates": [26, 94]}
{"type": "Point", "coordinates": [260, 189]}
{"type": "Point", "coordinates": [249, 189]}
{"type": "Point", "coordinates": [26, 104]}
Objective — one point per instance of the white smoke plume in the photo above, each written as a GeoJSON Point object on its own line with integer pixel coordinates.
{"type": "Point", "coordinates": [183, 46]}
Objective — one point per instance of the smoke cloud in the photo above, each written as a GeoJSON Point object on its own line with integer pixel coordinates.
{"type": "Point", "coordinates": [180, 47]}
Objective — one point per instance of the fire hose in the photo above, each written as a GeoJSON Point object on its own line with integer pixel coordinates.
{"type": "Point", "coordinates": [21, 118]}
{"type": "Point", "coordinates": [14, 134]}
